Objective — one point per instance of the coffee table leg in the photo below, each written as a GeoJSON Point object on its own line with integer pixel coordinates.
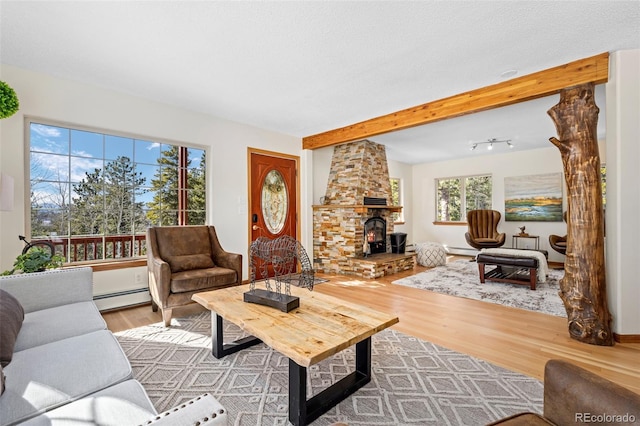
{"type": "Point", "coordinates": [303, 411]}
{"type": "Point", "coordinates": [218, 348]}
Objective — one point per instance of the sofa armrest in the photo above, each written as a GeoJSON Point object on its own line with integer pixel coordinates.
{"type": "Point", "coordinates": [575, 395]}
{"type": "Point", "coordinates": [203, 410]}
{"type": "Point", "coordinates": [43, 290]}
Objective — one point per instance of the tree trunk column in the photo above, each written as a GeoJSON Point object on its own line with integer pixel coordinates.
{"type": "Point", "coordinates": [583, 287]}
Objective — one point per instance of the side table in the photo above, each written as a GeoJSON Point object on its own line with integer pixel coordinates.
{"type": "Point", "coordinates": [515, 238]}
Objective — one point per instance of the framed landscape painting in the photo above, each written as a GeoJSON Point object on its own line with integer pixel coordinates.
{"type": "Point", "coordinates": [534, 198]}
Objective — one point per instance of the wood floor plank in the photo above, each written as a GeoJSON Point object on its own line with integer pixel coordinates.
{"type": "Point", "coordinates": [516, 339]}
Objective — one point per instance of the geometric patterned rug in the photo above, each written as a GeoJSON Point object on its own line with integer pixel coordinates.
{"type": "Point", "coordinates": [414, 382]}
{"type": "Point", "coordinates": [460, 278]}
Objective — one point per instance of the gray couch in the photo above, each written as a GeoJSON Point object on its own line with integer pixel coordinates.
{"type": "Point", "coordinates": [67, 368]}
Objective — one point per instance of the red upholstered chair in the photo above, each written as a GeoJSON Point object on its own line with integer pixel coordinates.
{"type": "Point", "coordinates": [483, 229]}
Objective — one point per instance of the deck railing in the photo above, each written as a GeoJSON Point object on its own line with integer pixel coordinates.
{"type": "Point", "coordinates": [83, 248]}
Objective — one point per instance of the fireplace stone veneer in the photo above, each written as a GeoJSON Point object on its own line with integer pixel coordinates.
{"type": "Point", "coordinates": [358, 170]}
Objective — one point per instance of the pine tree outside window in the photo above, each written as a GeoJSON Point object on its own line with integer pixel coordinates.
{"type": "Point", "coordinates": [396, 199]}
{"type": "Point", "coordinates": [94, 193]}
{"type": "Point", "coordinates": [455, 196]}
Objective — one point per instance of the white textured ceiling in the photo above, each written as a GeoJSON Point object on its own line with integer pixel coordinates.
{"type": "Point", "coordinates": [302, 68]}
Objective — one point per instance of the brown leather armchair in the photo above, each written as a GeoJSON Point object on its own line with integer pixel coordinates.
{"type": "Point", "coordinates": [573, 395]}
{"type": "Point", "coordinates": [483, 229]}
{"type": "Point", "coordinates": [557, 242]}
{"type": "Point", "coordinates": [184, 260]}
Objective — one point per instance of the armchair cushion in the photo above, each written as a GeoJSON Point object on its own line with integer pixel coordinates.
{"type": "Point", "coordinates": [189, 262]}
{"type": "Point", "coordinates": [11, 318]}
{"type": "Point", "coordinates": [202, 279]}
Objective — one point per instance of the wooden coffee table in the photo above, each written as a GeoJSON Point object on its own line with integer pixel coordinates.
{"type": "Point", "coordinates": [320, 327]}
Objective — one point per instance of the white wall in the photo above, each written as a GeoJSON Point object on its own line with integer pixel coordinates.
{"type": "Point", "coordinates": [49, 97]}
{"type": "Point", "coordinates": [404, 172]}
{"type": "Point", "coordinates": [623, 190]}
{"type": "Point", "coordinates": [499, 166]}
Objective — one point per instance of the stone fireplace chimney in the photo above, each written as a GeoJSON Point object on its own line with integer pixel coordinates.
{"type": "Point", "coordinates": [358, 170]}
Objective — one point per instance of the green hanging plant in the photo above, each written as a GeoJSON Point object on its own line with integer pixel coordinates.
{"type": "Point", "coordinates": [9, 103]}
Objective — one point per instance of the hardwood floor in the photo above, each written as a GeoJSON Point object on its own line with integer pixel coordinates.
{"type": "Point", "coordinates": [515, 339]}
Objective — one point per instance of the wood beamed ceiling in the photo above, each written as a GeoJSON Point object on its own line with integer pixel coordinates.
{"type": "Point", "coordinates": [543, 83]}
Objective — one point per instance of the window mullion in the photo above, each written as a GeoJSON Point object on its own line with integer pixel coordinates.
{"type": "Point", "coordinates": [182, 186]}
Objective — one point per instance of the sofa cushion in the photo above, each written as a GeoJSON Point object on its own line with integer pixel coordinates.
{"type": "Point", "coordinates": [189, 262]}
{"type": "Point", "coordinates": [11, 318]}
{"type": "Point", "coordinates": [53, 324]}
{"type": "Point", "coordinates": [45, 377]}
{"type": "Point", "coordinates": [123, 404]}
{"type": "Point", "coordinates": [201, 279]}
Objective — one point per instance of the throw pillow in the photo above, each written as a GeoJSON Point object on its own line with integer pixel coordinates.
{"type": "Point", "coordinates": [11, 317]}
{"type": "Point", "coordinates": [189, 262]}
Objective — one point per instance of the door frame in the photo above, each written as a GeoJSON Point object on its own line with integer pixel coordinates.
{"type": "Point", "coordinates": [296, 159]}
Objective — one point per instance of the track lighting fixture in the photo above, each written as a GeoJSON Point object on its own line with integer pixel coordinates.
{"type": "Point", "coordinates": [490, 143]}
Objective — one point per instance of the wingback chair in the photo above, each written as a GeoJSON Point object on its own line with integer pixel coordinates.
{"type": "Point", "coordinates": [183, 260]}
{"type": "Point", "coordinates": [483, 229]}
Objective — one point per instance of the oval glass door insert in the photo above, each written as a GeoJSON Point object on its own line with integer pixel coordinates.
{"type": "Point", "coordinates": [274, 201]}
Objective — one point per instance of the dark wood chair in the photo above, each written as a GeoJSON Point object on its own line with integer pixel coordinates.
{"type": "Point", "coordinates": [184, 260]}
{"type": "Point", "coordinates": [483, 229]}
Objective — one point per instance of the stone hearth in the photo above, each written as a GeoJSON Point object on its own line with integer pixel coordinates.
{"type": "Point", "coordinates": [358, 170]}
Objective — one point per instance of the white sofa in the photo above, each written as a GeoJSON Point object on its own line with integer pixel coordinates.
{"type": "Point", "coordinates": [68, 369]}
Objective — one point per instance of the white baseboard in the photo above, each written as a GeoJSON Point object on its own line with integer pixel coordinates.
{"type": "Point", "coordinates": [463, 251]}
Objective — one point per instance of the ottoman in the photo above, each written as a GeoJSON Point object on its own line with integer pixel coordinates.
{"type": "Point", "coordinates": [430, 254]}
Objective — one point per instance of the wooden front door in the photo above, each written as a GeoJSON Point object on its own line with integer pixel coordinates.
{"type": "Point", "coordinates": [273, 197]}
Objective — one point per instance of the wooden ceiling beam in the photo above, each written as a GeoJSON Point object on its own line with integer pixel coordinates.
{"type": "Point", "coordinates": [543, 83]}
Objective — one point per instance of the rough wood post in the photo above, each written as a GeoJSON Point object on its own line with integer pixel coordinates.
{"type": "Point", "coordinates": [583, 287]}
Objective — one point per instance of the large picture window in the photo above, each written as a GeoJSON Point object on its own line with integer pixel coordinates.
{"type": "Point", "coordinates": [455, 196]}
{"type": "Point", "coordinates": [93, 194]}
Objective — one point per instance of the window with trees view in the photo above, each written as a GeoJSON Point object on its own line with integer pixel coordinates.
{"type": "Point", "coordinates": [396, 199]}
{"type": "Point", "coordinates": [458, 195]}
{"type": "Point", "coordinates": [94, 194]}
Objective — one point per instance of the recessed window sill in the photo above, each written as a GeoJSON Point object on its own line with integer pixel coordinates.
{"type": "Point", "coordinates": [451, 223]}
{"type": "Point", "coordinates": [109, 265]}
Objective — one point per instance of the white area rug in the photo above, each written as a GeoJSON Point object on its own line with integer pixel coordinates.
{"type": "Point", "coordinates": [461, 278]}
{"type": "Point", "coordinates": [414, 382]}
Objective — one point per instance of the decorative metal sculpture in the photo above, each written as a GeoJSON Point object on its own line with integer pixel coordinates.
{"type": "Point", "coordinates": [282, 255]}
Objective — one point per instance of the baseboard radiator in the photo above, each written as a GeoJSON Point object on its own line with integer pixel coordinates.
{"type": "Point", "coordinates": [462, 251]}
{"type": "Point", "coordinates": [122, 299]}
